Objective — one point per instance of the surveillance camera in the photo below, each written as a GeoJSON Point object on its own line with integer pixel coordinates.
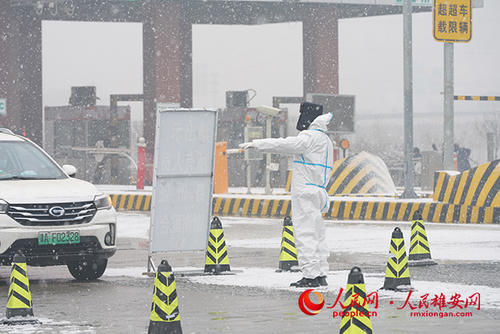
{"type": "Point", "coordinates": [269, 111]}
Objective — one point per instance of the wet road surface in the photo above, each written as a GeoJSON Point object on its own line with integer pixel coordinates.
{"type": "Point", "coordinates": [121, 304]}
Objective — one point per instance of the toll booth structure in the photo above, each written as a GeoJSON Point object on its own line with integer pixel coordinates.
{"type": "Point", "coordinates": [167, 45]}
{"type": "Point", "coordinates": [73, 134]}
{"type": "Point", "coordinates": [232, 123]}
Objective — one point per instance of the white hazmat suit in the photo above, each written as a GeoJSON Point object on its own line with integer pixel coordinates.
{"type": "Point", "coordinates": [312, 167]}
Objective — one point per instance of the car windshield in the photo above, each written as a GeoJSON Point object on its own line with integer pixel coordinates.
{"type": "Point", "coordinates": [22, 160]}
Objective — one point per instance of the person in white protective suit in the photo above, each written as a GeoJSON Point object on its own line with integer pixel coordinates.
{"type": "Point", "coordinates": [312, 167]}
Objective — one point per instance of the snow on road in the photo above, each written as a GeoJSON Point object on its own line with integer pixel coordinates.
{"type": "Point", "coordinates": [447, 241]}
{"type": "Point", "coordinates": [269, 279]}
{"type": "Point", "coordinates": [133, 225]}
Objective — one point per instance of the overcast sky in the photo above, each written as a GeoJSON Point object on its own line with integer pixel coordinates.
{"type": "Point", "coordinates": [268, 58]}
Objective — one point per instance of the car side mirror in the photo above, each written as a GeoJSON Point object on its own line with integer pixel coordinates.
{"type": "Point", "coordinates": [70, 170]}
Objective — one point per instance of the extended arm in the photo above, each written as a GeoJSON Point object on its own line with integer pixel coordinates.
{"type": "Point", "coordinates": [288, 145]}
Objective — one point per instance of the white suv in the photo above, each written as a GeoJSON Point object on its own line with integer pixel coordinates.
{"type": "Point", "coordinates": [50, 217]}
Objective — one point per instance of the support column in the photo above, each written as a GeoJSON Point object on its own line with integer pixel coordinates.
{"type": "Point", "coordinates": [167, 48]}
{"type": "Point", "coordinates": [21, 71]}
{"type": "Point", "coordinates": [320, 50]}
{"type": "Point", "coordinates": [4, 56]}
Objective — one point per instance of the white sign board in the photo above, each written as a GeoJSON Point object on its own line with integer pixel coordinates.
{"type": "Point", "coordinates": [183, 179]}
{"type": "Point", "coordinates": [3, 107]}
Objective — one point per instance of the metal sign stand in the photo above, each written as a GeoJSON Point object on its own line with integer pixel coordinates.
{"type": "Point", "coordinates": [183, 180]}
{"type": "Point", "coordinates": [448, 131]}
{"type": "Point", "coordinates": [452, 22]}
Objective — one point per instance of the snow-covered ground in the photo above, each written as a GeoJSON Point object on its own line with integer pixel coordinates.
{"type": "Point", "coordinates": [448, 242]}
{"type": "Point", "coordinates": [268, 278]}
{"type": "Point", "coordinates": [476, 243]}
{"type": "Point", "coordinates": [133, 225]}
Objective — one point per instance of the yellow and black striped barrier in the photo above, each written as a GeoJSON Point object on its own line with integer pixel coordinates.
{"type": "Point", "coordinates": [288, 185]}
{"type": "Point", "coordinates": [359, 209]}
{"type": "Point", "coordinates": [249, 207]}
{"type": "Point", "coordinates": [131, 202]}
{"type": "Point", "coordinates": [397, 273]}
{"type": "Point", "coordinates": [476, 98]}
{"type": "Point", "coordinates": [340, 208]}
{"type": "Point", "coordinates": [363, 173]}
{"type": "Point", "coordinates": [419, 195]}
{"type": "Point", "coordinates": [479, 186]}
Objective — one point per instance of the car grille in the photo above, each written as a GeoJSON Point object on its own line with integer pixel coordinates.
{"type": "Point", "coordinates": [38, 214]}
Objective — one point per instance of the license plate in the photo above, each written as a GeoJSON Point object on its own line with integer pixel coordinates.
{"type": "Point", "coordinates": [59, 238]}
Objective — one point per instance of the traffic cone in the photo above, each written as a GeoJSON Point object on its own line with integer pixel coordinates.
{"type": "Point", "coordinates": [217, 260]}
{"type": "Point", "coordinates": [19, 304]}
{"type": "Point", "coordinates": [165, 316]}
{"type": "Point", "coordinates": [288, 255]}
{"type": "Point", "coordinates": [397, 273]}
{"type": "Point", "coordinates": [356, 318]}
{"type": "Point", "coordinates": [420, 253]}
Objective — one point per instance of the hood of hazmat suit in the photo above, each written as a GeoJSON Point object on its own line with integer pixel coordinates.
{"type": "Point", "coordinates": [312, 166]}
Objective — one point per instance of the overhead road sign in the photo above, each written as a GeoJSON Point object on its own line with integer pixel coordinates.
{"type": "Point", "coordinates": [452, 20]}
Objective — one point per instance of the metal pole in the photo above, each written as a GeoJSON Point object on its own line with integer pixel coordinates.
{"type": "Point", "coordinates": [247, 160]}
{"type": "Point", "coordinates": [408, 100]}
{"type": "Point", "coordinates": [113, 138]}
{"type": "Point", "coordinates": [490, 146]}
{"type": "Point", "coordinates": [268, 156]}
{"type": "Point", "coordinates": [448, 107]}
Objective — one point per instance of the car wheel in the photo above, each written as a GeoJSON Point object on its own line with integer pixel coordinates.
{"type": "Point", "coordinates": [87, 270]}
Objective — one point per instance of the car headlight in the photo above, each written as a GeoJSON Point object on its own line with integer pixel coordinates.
{"type": "Point", "coordinates": [4, 206]}
{"type": "Point", "coordinates": [102, 202]}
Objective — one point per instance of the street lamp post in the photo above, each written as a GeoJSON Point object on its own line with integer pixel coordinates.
{"type": "Point", "coordinates": [408, 101]}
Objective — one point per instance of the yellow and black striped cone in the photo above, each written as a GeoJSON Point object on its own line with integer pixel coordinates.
{"type": "Point", "coordinates": [397, 273]}
{"type": "Point", "coordinates": [165, 316]}
{"type": "Point", "coordinates": [288, 254]}
{"type": "Point", "coordinates": [356, 319]}
{"type": "Point", "coordinates": [19, 304]}
{"type": "Point", "coordinates": [217, 259]}
{"type": "Point", "coordinates": [419, 253]}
